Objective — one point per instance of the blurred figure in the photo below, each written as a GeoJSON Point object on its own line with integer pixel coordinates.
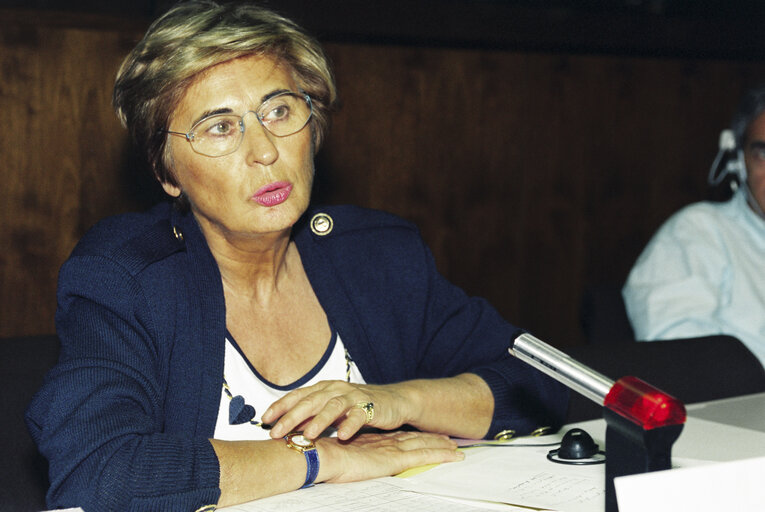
{"type": "Point", "coordinates": [703, 273]}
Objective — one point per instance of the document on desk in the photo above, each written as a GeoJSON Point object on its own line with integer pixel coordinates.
{"type": "Point", "coordinates": [519, 477]}
{"type": "Point", "coordinates": [381, 495]}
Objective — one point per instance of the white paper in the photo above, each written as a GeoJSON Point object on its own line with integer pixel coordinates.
{"type": "Point", "coordinates": [521, 476]}
{"type": "Point", "coordinates": [726, 486]}
{"type": "Point", "coordinates": [382, 495]}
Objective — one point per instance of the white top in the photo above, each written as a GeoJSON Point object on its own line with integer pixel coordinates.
{"type": "Point", "coordinates": [245, 394]}
{"type": "Point", "coordinates": [703, 273]}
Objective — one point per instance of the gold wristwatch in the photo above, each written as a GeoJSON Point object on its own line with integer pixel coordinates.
{"type": "Point", "coordinates": [298, 442]}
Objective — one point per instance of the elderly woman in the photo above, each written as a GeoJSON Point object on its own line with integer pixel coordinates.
{"type": "Point", "coordinates": [236, 343]}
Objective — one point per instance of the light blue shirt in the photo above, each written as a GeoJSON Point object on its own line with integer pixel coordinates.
{"type": "Point", "coordinates": [703, 273]}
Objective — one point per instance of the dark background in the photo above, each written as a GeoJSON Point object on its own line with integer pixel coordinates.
{"type": "Point", "coordinates": [695, 28]}
{"type": "Point", "coordinates": [538, 145]}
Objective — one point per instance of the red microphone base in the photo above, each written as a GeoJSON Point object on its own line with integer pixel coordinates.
{"type": "Point", "coordinates": [642, 424]}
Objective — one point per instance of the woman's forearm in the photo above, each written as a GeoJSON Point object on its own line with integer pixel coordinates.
{"type": "Point", "coordinates": [255, 469]}
{"type": "Point", "coordinates": [460, 406]}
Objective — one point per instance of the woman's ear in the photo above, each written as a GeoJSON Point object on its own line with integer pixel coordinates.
{"type": "Point", "coordinates": [167, 179]}
{"type": "Point", "coordinates": [164, 173]}
{"type": "Point", "coordinates": [171, 190]}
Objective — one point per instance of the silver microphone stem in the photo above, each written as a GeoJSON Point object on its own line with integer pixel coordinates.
{"type": "Point", "coordinates": [561, 367]}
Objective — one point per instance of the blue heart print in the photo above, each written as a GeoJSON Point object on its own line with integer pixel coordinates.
{"type": "Point", "coordinates": [239, 412]}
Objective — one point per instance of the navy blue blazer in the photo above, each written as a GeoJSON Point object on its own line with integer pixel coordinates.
{"type": "Point", "coordinates": [125, 416]}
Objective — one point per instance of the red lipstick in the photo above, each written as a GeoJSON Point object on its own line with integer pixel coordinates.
{"type": "Point", "coordinates": [273, 194]}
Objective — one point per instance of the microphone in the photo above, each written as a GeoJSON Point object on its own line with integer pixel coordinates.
{"type": "Point", "coordinates": [561, 367]}
{"type": "Point", "coordinates": [642, 422]}
{"type": "Point", "coordinates": [633, 399]}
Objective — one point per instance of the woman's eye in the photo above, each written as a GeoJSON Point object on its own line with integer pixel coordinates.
{"type": "Point", "coordinates": [219, 127]}
{"type": "Point", "coordinates": [223, 127]}
{"type": "Point", "coordinates": [278, 113]}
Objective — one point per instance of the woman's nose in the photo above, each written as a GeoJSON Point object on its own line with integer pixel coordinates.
{"type": "Point", "coordinates": [258, 143]}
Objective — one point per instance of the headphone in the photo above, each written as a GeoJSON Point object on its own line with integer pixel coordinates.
{"type": "Point", "coordinates": [729, 161]}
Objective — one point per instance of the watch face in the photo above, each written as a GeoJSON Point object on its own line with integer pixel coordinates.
{"type": "Point", "coordinates": [300, 440]}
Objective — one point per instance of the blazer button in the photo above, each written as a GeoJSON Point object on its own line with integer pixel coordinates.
{"type": "Point", "coordinates": [321, 224]}
{"type": "Point", "coordinates": [505, 435]}
{"type": "Point", "coordinates": [178, 233]}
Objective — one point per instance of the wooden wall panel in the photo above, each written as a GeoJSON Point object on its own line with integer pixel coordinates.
{"type": "Point", "coordinates": [62, 152]}
{"type": "Point", "coordinates": [531, 175]}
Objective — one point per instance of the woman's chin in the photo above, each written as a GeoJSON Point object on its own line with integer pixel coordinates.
{"type": "Point", "coordinates": [276, 219]}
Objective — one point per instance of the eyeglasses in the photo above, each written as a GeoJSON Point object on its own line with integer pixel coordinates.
{"type": "Point", "coordinates": [283, 114]}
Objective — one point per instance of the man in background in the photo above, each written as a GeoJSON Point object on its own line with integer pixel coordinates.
{"type": "Point", "coordinates": [703, 272]}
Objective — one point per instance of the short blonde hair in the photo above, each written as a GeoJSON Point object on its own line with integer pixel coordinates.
{"type": "Point", "coordinates": [196, 35]}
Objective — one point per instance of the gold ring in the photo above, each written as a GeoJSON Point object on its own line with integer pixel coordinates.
{"type": "Point", "coordinates": [368, 408]}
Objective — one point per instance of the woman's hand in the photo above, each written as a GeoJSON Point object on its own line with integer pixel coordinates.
{"type": "Point", "coordinates": [375, 455]}
{"type": "Point", "coordinates": [247, 467]}
{"type": "Point", "coordinates": [460, 406]}
{"type": "Point", "coordinates": [314, 408]}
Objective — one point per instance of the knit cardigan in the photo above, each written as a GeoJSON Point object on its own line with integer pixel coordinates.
{"type": "Point", "coordinates": [125, 416]}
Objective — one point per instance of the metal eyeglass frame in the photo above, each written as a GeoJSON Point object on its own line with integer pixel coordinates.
{"type": "Point", "coordinates": [242, 127]}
